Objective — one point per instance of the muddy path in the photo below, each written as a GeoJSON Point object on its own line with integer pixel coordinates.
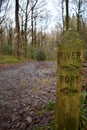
{"type": "Point", "coordinates": [27, 95]}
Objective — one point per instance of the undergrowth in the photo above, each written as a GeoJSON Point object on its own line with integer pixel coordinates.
{"type": "Point", "coordinates": [8, 59]}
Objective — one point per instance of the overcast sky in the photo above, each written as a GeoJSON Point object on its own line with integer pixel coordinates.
{"type": "Point", "coordinates": [54, 12]}
{"type": "Point", "coordinates": [50, 6]}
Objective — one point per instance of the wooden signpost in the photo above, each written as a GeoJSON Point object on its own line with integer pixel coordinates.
{"type": "Point", "coordinates": [69, 81]}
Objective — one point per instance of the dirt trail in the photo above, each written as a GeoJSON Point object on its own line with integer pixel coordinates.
{"type": "Point", "coordinates": [27, 91]}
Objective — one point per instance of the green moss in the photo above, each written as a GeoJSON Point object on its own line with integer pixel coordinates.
{"type": "Point", "coordinates": [67, 105]}
{"type": "Point", "coordinates": [8, 59]}
{"type": "Point", "coordinates": [68, 123]}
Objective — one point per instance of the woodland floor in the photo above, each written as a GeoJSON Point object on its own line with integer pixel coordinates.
{"type": "Point", "coordinates": [27, 95]}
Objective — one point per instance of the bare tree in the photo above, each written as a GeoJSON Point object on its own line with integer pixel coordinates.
{"type": "Point", "coordinates": [25, 29]}
{"type": "Point", "coordinates": [67, 14]}
{"type": "Point", "coordinates": [9, 31]}
{"type": "Point", "coordinates": [26, 11]}
{"type": "Point", "coordinates": [80, 9]}
{"type": "Point", "coordinates": [17, 29]}
{"type": "Point", "coordinates": [78, 14]}
{"type": "Point", "coordinates": [2, 2]}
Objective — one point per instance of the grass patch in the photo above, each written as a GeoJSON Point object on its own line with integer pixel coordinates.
{"type": "Point", "coordinates": [50, 106]}
{"type": "Point", "coordinates": [41, 112]}
{"type": "Point", "coordinates": [8, 59]}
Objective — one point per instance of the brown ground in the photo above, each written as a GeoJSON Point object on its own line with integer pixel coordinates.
{"type": "Point", "coordinates": [27, 95]}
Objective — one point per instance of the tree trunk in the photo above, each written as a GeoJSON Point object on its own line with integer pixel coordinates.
{"type": "Point", "coordinates": [35, 28]}
{"type": "Point", "coordinates": [63, 14]}
{"type": "Point", "coordinates": [17, 27]}
{"type": "Point", "coordinates": [67, 14]}
{"type": "Point", "coordinates": [22, 35]}
{"type": "Point", "coordinates": [32, 30]}
{"type": "Point", "coordinates": [78, 15]}
{"type": "Point", "coordinates": [25, 35]}
{"type": "Point", "coordinates": [32, 21]}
